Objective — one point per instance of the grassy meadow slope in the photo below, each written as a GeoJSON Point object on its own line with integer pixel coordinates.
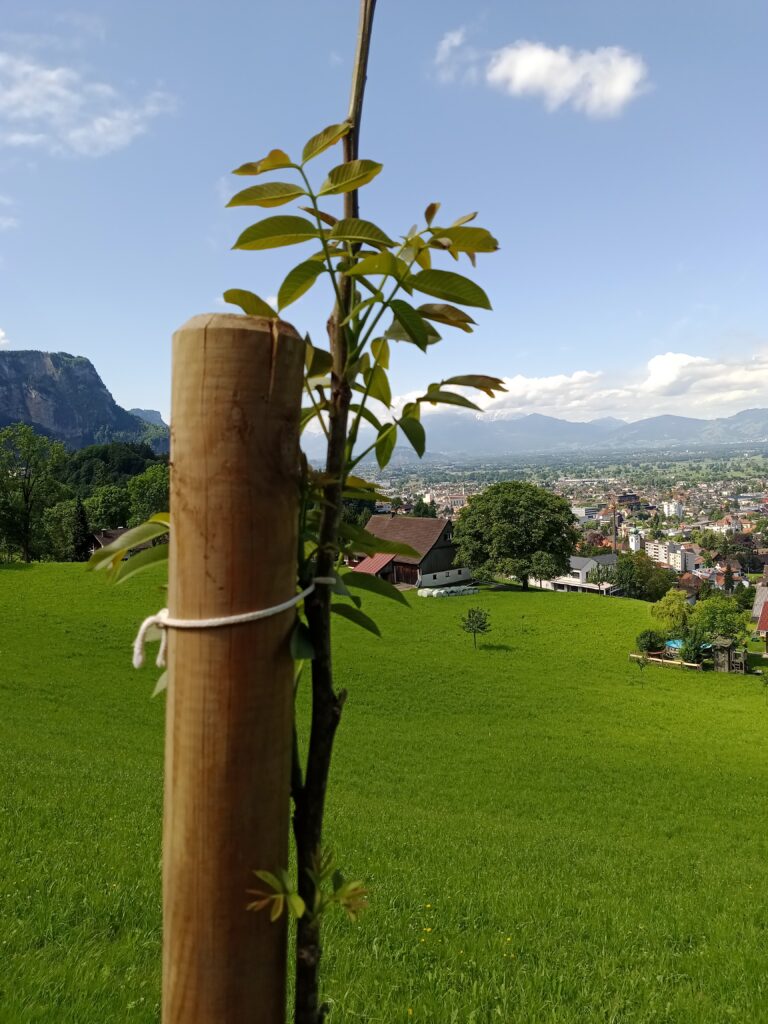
{"type": "Point", "coordinates": [545, 839]}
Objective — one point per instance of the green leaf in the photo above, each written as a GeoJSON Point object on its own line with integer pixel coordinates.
{"type": "Point", "coordinates": [385, 444]}
{"type": "Point", "coordinates": [272, 193]}
{"type": "Point", "coordinates": [141, 560]}
{"type": "Point", "coordinates": [366, 543]}
{"type": "Point", "coordinates": [378, 385]}
{"type": "Point", "coordinates": [348, 611]}
{"type": "Point", "coordinates": [468, 239]}
{"type": "Point", "coordinates": [276, 231]}
{"type": "Point", "coordinates": [415, 433]}
{"type": "Point", "coordinates": [444, 284]}
{"type": "Point", "coordinates": [478, 381]}
{"type": "Point", "coordinates": [318, 362]}
{"type": "Point", "coordinates": [349, 176]}
{"type": "Point", "coordinates": [271, 162]}
{"type": "Point", "coordinates": [374, 584]}
{"type": "Point", "coordinates": [445, 314]}
{"type": "Point", "coordinates": [352, 229]}
{"type": "Point", "coordinates": [464, 220]}
{"type": "Point", "coordinates": [324, 140]}
{"type": "Point", "coordinates": [431, 210]}
{"type": "Point", "coordinates": [380, 351]}
{"type": "Point", "coordinates": [342, 590]}
{"type": "Point", "coordinates": [302, 648]}
{"type": "Point", "coordinates": [411, 322]}
{"type": "Point", "coordinates": [448, 398]}
{"type": "Point", "coordinates": [278, 903]}
{"type": "Point", "coordinates": [298, 281]}
{"type": "Point", "coordinates": [355, 312]}
{"type": "Point", "coordinates": [249, 303]}
{"type": "Point", "coordinates": [272, 881]}
{"type": "Point", "coordinates": [379, 263]}
{"type": "Point", "coordinates": [326, 218]}
{"type": "Point", "coordinates": [296, 904]}
{"type": "Point", "coordinates": [366, 414]}
{"type": "Point", "coordinates": [134, 538]}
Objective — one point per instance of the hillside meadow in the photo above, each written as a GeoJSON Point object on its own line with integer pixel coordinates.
{"type": "Point", "coordinates": [548, 835]}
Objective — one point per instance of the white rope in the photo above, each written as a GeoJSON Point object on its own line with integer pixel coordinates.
{"type": "Point", "coordinates": [163, 622]}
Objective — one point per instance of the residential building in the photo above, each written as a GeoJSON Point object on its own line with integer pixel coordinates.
{"type": "Point", "coordinates": [672, 508]}
{"type": "Point", "coordinates": [761, 596]}
{"type": "Point", "coordinates": [680, 557]}
{"type": "Point", "coordinates": [577, 579]}
{"type": "Point", "coordinates": [432, 539]}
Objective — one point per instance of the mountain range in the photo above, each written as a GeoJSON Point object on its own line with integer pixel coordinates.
{"type": "Point", "coordinates": [63, 396]}
{"type": "Point", "coordinates": [474, 435]}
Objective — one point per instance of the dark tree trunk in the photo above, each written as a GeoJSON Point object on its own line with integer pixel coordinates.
{"type": "Point", "coordinates": [309, 794]}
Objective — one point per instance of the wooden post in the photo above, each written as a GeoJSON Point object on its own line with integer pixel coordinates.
{"type": "Point", "coordinates": [236, 401]}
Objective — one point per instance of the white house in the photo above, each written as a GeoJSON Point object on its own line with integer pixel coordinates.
{"type": "Point", "coordinates": [577, 582]}
{"type": "Point", "coordinates": [672, 508]}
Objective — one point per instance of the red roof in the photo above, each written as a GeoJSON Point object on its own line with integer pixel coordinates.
{"type": "Point", "coordinates": [762, 623]}
{"type": "Point", "coordinates": [419, 532]}
{"type": "Point", "coordinates": [374, 563]}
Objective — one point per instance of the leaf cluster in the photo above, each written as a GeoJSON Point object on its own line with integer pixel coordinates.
{"type": "Point", "coordinates": [329, 885]}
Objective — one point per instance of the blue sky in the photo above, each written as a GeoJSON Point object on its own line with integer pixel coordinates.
{"type": "Point", "coordinates": [617, 150]}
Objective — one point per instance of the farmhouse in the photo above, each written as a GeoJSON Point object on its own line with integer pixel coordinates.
{"type": "Point", "coordinates": [431, 538]}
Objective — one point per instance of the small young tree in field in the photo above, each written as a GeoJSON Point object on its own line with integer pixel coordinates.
{"type": "Point", "coordinates": [476, 621]}
{"type": "Point", "coordinates": [376, 283]}
{"type": "Point", "coordinates": [642, 663]}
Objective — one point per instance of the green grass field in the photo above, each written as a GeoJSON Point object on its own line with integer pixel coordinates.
{"type": "Point", "coordinates": [545, 839]}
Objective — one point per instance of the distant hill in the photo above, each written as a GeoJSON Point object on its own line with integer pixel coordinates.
{"type": "Point", "coordinates": [149, 416]}
{"type": "Point", "coordinates": [474, 436]}
{"type": "Point", "coordinates": [63, 396]}
{"type": "Point", "coordinates": [470, 434]}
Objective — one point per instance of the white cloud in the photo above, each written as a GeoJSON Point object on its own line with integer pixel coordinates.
{"type": "Point", "coordinates": [456, 61]}
{"type": "Point", "coordinates": [61, 111]}
{"type": "Point", "coordinates": [3, 338]}
{"type": "Point", "coordinates": [8, 223]}
{"type": "Point", "coordinates": [674, 383]}
{"type": "Point", "coordinates": [449, 50]}
{"type": "Point", "coordinates": [598, 83]}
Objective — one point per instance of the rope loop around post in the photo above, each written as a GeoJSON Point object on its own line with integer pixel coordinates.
{"type": "Point", "coordinates": [162, 621]}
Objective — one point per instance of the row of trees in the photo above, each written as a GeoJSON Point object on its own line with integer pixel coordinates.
{"type": "Point", "coordinates": [52, 500]}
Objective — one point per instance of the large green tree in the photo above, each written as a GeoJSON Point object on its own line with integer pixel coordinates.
{"type": "Point", "coordinates": [640, 577]}
{"type": "Point", "coordinates": [672, 612]}
{"type": "Point", "coordinates": [28, 463]}
{"type": "Point", "coordinates": [108, 508]}
{"type": "Point", "coordinates": [721, 616]}
{"type": "Point", "coordinates": [148, 493]}
{"type": "Point", "coordinates": [500, 531]}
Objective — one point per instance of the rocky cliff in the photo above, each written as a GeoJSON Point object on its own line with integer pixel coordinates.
{"type": "Point", "coordinates": [64, 397]}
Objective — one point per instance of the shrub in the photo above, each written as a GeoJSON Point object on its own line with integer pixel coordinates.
{"type": "Point", "coordinates": [650, 640]}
